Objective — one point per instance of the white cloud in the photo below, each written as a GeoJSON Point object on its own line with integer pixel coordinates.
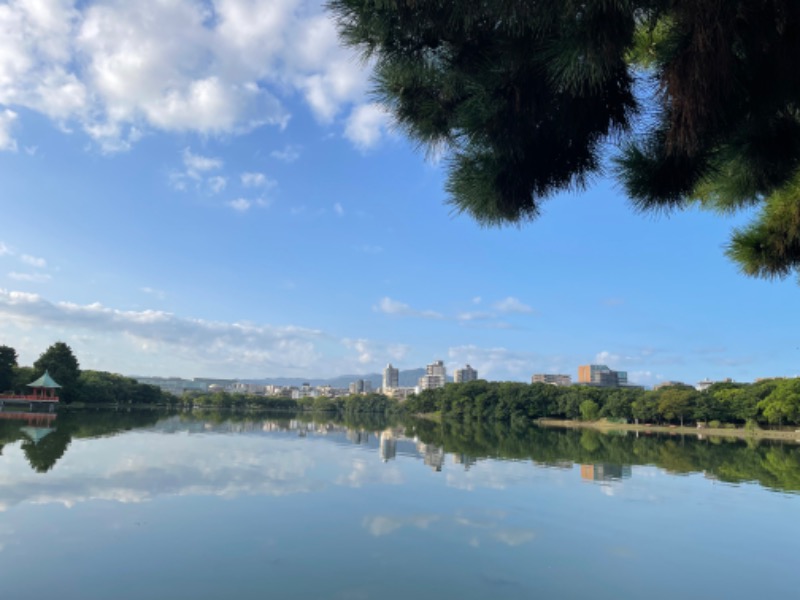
{"type": "Point", "coordinates": [366, 125]}
{"type": "Point", "coordinates": [252, 180]}
{"type": "Point", "coordinates": [477, 300]}
{"type": "Point", "coordinates": [514, 537]}
{"type": "Point", "coordinates": [288, 155]}
{"type": "Point", "coordinates": [512, 305]}
{"type": "Point", "coordinates": [196, 164]}
{"type": "Point", "coordinates": [33, 261]}
{"type": "Point", "coordinates": [607, 358]}
{"type": "Point", "coordinates": [395, 307]}
{"type": "Point", "coordinates": [197, 171]}
{"type": "Point", "coordinates": [30, 277]}
{"type": "Point", "coordinates": [338, 209]}
{"type": "Point", "coordinates": [240, 205]}
{"type": "Point", "coordinates": [381, 525]}
{"type": "Point", "coordinates": [5, 250]}
{"type": "Point", "coordinates": [373, 355]}
{"type": "Point", "coordinates": [217, 184]}
{"type": "Point", "coordinates": [118, 69]}
{"type": "Point", "coordinates": [198, 343]}
{"type": "Point", "coordinates": [498, 362]}
{"type": "Point", "coordinates": [7, 120]}
{"type": "Point", "coordinates": [474, 316]}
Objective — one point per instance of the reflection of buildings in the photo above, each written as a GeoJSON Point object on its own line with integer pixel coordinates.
{"type": "Point", "coordinates": [605, 472]}
{"type": "Point", "coordinates": [464, 459]}
{"type": "Point", "coordinates": [555, 464]}
{"type": "Point", "coordinates": [433, 456]}
{"type": "Point", "coordinates": [388, 446]}
{"type": "Point", "coordinates": [357, 436]}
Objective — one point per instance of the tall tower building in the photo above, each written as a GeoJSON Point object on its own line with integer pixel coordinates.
{"type": "Point", "coordinates": [391, 378]}
{"type": "Point", "coordinates": [464, 375]}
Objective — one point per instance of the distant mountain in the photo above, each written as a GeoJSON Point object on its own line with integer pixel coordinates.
{"type": "Point", "coordinates": [408, 378]}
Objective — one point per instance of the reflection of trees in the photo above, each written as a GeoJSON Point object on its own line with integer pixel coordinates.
{"type": "Point", "coordinates": [42, 456]}
{"type": "Point", "coordinates": [770, 463]}
{"type": "Point", "coordinates": [44, 453]}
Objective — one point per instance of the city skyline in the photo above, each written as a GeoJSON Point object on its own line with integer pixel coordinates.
{"type": "Point", "coordinates": [182, 199]}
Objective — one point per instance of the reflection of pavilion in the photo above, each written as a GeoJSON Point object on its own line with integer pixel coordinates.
{"type": "Point", "coordinates": [37, 434]}
{"type": "Point", "coordinates": [605, 472]}
{"type": "Point", "coordinates": [37, 425]}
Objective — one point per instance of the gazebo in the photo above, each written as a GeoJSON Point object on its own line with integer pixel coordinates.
{"type": "Point", "coordinates": [44, 389]}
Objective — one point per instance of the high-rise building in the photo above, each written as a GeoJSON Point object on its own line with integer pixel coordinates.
{"type": "Point", "coordinates": [361, 386]}
{"type": "Point", "coordinates": [435, 376]}
{"type": "Point", "coordinates": [552, 379]}
{"type": "Point", "coordinates": [601, 375]}
{"type": "Point", "coordinates": [391, 378]}
{"type": "Point", "coordinates": [464, 375]}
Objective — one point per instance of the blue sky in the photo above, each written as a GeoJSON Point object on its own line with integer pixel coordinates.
{"type": "Point", "coordinates": [206, 189]}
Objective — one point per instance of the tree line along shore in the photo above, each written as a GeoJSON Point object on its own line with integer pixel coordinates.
{"type": "Point", "coordinates": [770, 404]}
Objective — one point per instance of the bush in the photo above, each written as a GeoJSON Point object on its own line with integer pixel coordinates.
{"type": "Point", "coordinates": [714, 424]}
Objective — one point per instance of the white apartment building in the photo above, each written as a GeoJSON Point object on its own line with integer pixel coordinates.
{"type": "Point", "coordinates": [391, 378]}
{"type": "Point", "coordinates": [435, 376]}
{"type": "Point", "coordinates": [464, 375]}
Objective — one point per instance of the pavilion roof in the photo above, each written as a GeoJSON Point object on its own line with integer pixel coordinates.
{"type": "Point", "coordinates": [45, 381]}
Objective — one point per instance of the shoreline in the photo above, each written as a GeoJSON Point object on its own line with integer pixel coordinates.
{"type": "Point", "coordinates": [738, 433]}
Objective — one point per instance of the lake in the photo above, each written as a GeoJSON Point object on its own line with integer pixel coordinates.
{"type": "Point", "coordinates": [123, 505]}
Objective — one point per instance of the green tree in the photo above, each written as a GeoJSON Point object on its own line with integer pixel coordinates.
{"type": "Point", "coordinates": [8, 364]}
{"type": "Point", "coordinates": [589, 410]}
{"type": "Point", "coordinates": [783, 404]}
{"type": "Point", "coordinates": [62, 365]}
{"type": "Point", "coordinates": [22, 377]}
{"type": "Point", "coordinates": [524, 96]}
{"type": "Point", "coordinates": [676, 402]}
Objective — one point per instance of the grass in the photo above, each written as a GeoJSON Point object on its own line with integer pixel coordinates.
{"type": "Point", "coordinates": [739, 432]}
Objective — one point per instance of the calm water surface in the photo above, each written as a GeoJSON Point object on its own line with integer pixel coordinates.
{"type": "Point", "coordinates": [141, 505]}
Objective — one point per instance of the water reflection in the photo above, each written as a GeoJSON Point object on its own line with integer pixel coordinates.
{"type": "Point", "coordinates": [44, 440]}
{"type": "Point", "coordinates": [308, 508]}
{"type": "Point", "coordinates": [605, 472]}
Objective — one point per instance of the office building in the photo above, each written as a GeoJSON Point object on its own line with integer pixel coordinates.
{"type": "Point", "coordinates": [552, 379]}
{"type": "Point", "coordinates": [601, 376]}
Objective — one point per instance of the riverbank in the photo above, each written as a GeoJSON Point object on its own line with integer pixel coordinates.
{"type": "Point", "coordinates": [740, 433]}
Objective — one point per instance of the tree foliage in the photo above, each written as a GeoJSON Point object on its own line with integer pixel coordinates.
{"type": "Point", "coordinates": [524, 98]}
{"type": "Point", "coordinates": [775, 401]}
{"type": "Point", "coordinates": [8, 364]}
{"type": "Point", "coordinates": [62, 365]}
